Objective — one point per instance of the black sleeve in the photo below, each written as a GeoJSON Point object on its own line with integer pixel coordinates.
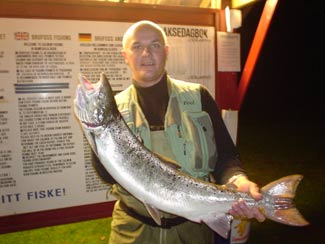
{"type": "Point", "coordinates": [228, 160]}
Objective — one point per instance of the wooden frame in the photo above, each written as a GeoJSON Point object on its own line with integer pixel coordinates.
{"type": "Point", "coordinates": [106, 11]}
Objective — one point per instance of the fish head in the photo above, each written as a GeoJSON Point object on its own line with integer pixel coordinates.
{"type": "Point", "coordinates": [91, 104]}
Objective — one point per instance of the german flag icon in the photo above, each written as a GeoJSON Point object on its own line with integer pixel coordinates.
{"type": "Point", "coordinates": [84, 37]}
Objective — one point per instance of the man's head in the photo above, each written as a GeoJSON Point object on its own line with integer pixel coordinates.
{"type": "Point", "coordinates": [145, 50]}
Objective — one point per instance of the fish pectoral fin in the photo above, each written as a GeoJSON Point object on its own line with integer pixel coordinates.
{"type": "Point", "coordinates": [154, 213]}
{"type": "Point", "coordinates": [220, 224]}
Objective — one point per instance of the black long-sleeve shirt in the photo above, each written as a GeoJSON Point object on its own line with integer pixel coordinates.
{"type": "Point", "coordinates": [153, 102]}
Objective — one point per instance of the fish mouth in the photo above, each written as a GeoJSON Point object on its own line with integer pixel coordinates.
{"type": "Point", "coordinates": [89, 108]}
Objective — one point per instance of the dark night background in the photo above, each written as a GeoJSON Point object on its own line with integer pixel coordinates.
{"type": "Point", "coordinates": [282, 115]}
{"type": "Point", "coordinates": [279, 89]}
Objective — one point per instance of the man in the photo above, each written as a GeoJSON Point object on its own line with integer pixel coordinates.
{"type": "Point", "coordinates": [190, 133]}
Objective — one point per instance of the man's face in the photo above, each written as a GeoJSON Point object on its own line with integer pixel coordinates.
{"type": "Point", "coordinates": [146, 55]}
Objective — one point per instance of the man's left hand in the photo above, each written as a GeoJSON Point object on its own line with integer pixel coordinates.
{"type": "Point", "coordinates": [240, 209]}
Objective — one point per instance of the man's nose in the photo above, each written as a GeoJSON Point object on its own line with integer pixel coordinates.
{"type": "Point", "coordinates": [146, 51]}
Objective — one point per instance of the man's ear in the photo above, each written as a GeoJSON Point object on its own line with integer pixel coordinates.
{"type": "Point", "coordinates": [167, 50]}
{"type": "Point", "coordinates": [124, 56]}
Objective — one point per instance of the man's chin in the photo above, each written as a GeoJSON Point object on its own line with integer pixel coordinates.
{"type": "Point", "coordinates": [148, 75]}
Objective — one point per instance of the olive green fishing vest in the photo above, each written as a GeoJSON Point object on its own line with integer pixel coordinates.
{"type": "Point", "coordinates": [189, 129]}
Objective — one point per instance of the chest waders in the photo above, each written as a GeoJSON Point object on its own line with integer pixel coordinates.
{"type": "Point", "coordinates": [188, 139]}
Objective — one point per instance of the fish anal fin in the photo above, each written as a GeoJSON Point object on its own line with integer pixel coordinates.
{"type": "Point", "coordinates": [220, 224]}
{"type": "Point", "coordinates": [154, 213]}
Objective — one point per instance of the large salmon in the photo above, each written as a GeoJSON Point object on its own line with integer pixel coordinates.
{"type": "Point", "coordinates": [157, 184]}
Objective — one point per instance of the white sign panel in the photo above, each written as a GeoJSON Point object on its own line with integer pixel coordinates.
{"type": "Point", "coordinates": [228, 52]}
{"type": "Point", "coordinates": [192, 56]}
{"type": "Point", "coordinates": [45, 162]}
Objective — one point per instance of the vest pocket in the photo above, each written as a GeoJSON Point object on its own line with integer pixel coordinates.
{"type": "Point", "coordinates": [199, 130]}
{"type": "Point", "coordinates": [179, 145]}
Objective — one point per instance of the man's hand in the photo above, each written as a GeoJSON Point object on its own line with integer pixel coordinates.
{"type": "Point", "coordinates": [240, 208]}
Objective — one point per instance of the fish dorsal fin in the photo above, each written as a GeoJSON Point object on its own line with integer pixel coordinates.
{"type": "Point", "coordinates": [220, 224]}
{"type": "Point", "coordinates": [154, 213]}
{"type": "Point", "coordinates": [168, 161]}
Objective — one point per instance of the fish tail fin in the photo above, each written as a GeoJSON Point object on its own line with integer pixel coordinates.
{"type": "Point", "coordinates": [278, 201]}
